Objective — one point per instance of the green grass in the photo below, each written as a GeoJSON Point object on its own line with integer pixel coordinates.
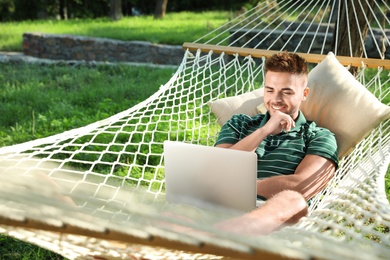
{"type": "Point", "coordinates": [13, 249]}
{"type": "Point", "coordinates": [52, 99]}
{"type": "Point", "coordinates": [174, 29]}
{"type": "Point", "coordinates": [39, 101]}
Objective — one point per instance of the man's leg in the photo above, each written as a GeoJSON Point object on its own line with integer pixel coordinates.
{"type": "Point", "coordinates": [283, 209]}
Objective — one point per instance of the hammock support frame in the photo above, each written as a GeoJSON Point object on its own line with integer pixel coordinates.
{"type": "Point", "coordinates": [311, 58]}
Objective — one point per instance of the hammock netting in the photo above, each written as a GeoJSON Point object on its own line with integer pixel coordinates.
{"type": "Point", "coordinates": [99, 190]}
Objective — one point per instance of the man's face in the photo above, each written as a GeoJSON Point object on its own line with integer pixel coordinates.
{"type": "Point", "coordinates": [284, 92]}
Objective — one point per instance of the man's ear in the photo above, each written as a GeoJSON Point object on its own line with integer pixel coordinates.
{"type": "Point", "coordinates": [306, 92]}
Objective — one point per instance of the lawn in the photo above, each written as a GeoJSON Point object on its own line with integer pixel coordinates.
{"type": "Point", "coordinates": [54, 98]}
{"type": "Point", "coordinates": [174, 29]}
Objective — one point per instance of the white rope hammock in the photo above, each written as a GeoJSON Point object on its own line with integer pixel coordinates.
{"type": "Point", "coordinates": [113, 170]}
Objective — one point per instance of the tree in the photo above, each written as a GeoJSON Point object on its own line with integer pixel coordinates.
{"type": "Point", "coordinates": [63, 11]}
{"type": "Point", "coordinates": [357, 25]}
{"type": "Point", "coordinates": [161, 7]}
{"type": "Point", "coordinates": [7, 8]}
{"type": "Point", "coordinates": [116, 9]}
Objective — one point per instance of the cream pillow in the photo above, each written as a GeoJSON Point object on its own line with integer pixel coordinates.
{"type": "Point", "coordinates": [337, 101]}
{"type": "Point", "coordinates": [246, 103]}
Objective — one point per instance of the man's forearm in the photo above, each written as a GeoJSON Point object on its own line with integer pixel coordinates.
{"type": "Point", "coordinates": [249, 143]}
{"type": "Point", "coordinates": [311, 176]}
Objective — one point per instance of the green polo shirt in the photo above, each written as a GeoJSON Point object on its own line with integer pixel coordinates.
{"type": "Point", "coordinates": [280, 154]}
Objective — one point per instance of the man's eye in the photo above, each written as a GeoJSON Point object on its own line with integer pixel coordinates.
{"type": "Point", "coordinates": [287, 93]}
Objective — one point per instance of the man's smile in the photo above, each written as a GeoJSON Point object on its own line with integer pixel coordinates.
{"type": "Point", "coordinates": [278, 107]}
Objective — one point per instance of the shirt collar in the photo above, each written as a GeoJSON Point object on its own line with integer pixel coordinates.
{"type": "Point", "coordinates": [301, 120]}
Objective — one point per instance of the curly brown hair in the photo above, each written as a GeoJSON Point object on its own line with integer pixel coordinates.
{"type": "Point", "coordinates": [287, 62]}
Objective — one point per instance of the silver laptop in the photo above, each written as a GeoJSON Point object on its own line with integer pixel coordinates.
{"type": "Point", "coordinates": [210, 177]}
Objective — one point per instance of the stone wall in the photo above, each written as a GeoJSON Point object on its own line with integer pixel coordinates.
{"type": "Point", "coordinates": [70, 47]}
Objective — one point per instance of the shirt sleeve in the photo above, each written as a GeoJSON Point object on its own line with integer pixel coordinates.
{"type": "Point", "coordinates": [323, 143]}
{"type": "Point", "coordinates": [233, 130]}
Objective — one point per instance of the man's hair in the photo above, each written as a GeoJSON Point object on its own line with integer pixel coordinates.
{"type": "Point", "coordinates": [287, 62]}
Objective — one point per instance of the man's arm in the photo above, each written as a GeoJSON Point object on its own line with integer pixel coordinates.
{"type": "Point", "coordinates": [278, 122]}
{"type": "Point", "coordinates": [249, 143]}
{"type": "Point", "coordinates": [312, 174]}
{"type": "Point", "coordinates": [310, 177]}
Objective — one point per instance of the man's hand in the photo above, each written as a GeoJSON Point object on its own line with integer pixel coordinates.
{"type": "Point", "coordinates": [278, 122]}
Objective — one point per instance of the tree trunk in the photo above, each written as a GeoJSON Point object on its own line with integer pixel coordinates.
{"type": "Point", "coordinates": [333, 18]}
{"type": "Point", "coordinates": [116, 9]}
{"type": "Point", "coordinates": [351, 37]}
{"type": "Point", "coordinates": [161, 7]}
{"type": "Point", "coordinates": [63, 10]}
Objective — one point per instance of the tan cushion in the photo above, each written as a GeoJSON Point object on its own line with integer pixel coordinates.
{"type": "Point", "coordinates": [246, 103]}
{"type": "Point", "coordinates": [338, 101]}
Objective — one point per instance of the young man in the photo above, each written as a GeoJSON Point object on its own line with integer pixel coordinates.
{"type": "Point", "coordinates": [296, 158]}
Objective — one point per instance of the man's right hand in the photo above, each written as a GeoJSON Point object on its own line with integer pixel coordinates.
{"type": "Point", "coordinates": [278, 122]}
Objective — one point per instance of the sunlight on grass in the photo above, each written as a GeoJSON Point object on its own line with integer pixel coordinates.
{"type": "Point", "coordinates": [174, 29]}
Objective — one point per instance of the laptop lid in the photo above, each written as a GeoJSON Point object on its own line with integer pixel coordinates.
{"type": "Point", "coordinates": [210, 177]}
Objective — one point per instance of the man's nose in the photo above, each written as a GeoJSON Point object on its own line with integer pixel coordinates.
{"type": "Point", "coordinates": [278, 97]}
